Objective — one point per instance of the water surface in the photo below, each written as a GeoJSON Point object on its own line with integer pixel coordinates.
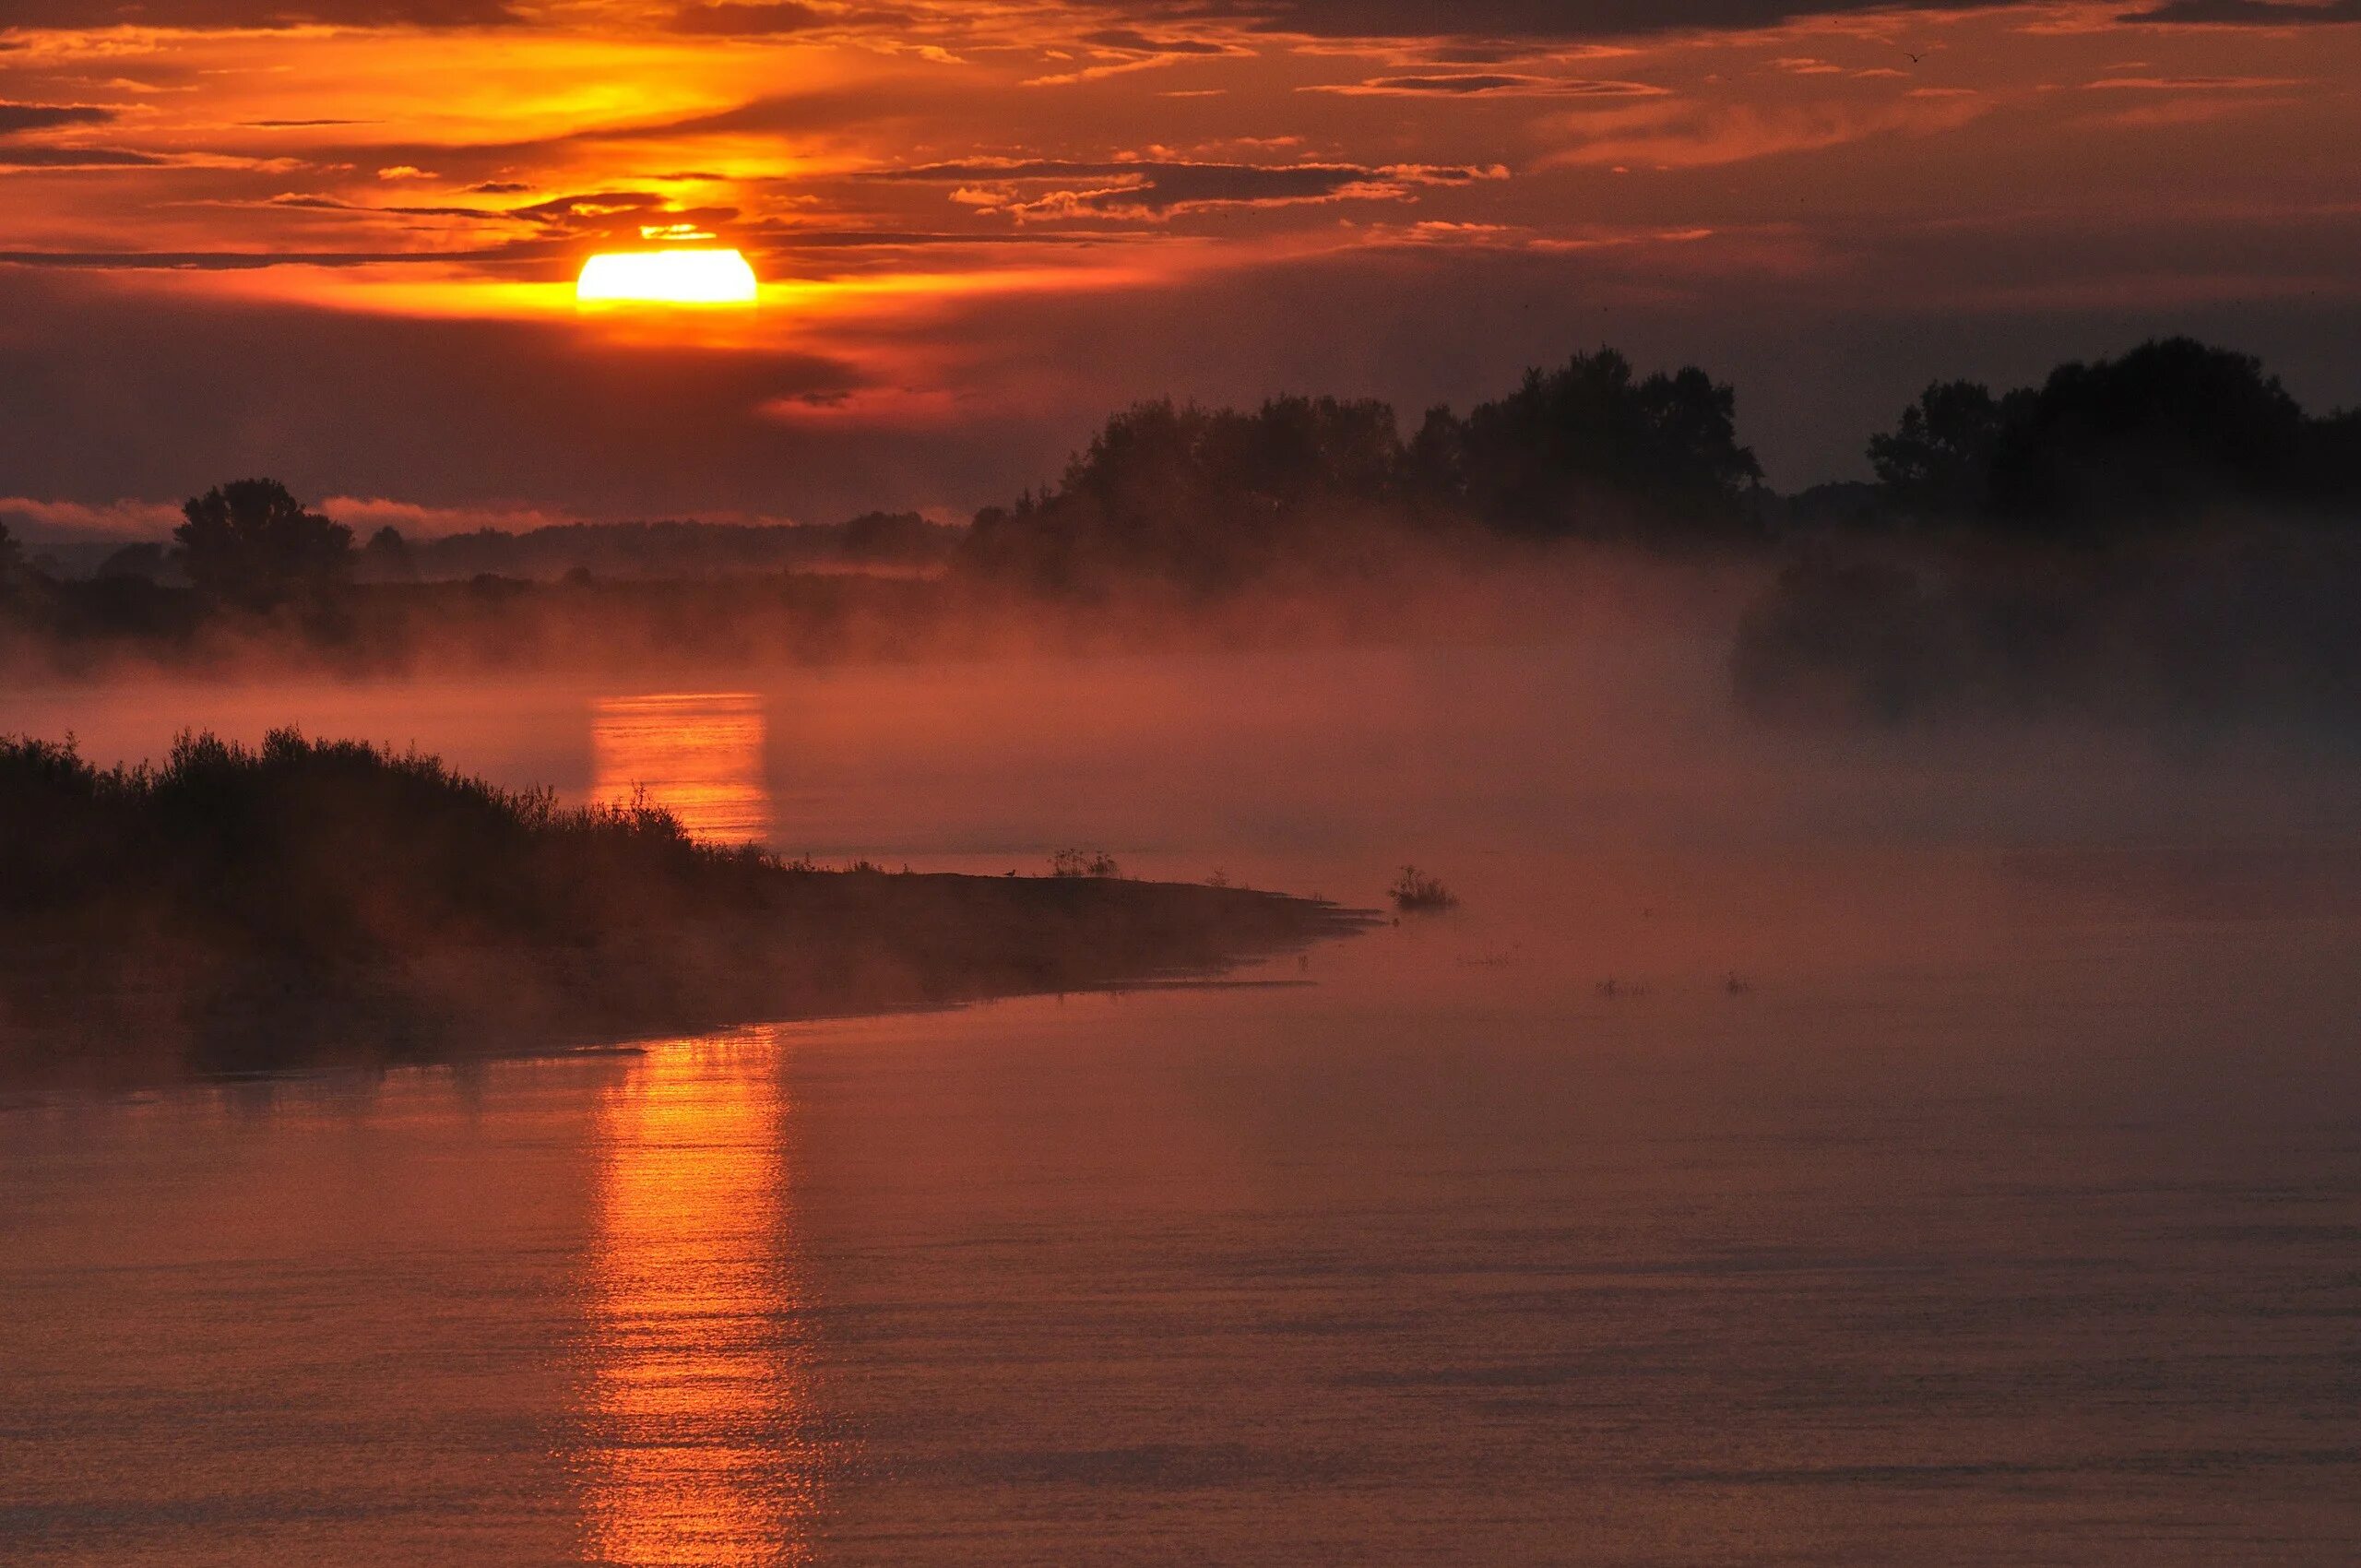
{"type": "Point", "coordinates": [1861, 1151]}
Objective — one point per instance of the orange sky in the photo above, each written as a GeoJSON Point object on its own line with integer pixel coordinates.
{"type": "Point", "coordinates": [333, 239]}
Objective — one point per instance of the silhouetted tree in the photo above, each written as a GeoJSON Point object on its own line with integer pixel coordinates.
{"type": "Point", "coordinates": [889, 536]}
{"type": "Point", "coordinates": [387, 556]}
{"type": "Point", "coordinates": [1434, 465]}
{"type": "Point", "coordinates": [1591, 448]}
{"type": "Point", "coordinates": [1938, 460]}
{"type": "Point", "coordinates": [1201, 498]}
{"type": "Point", "coordinates": [2331, 460]}
{"type": "Point", "coordinates": [12, 556]}
{"type": "Point", "coordinates": [1205, 498]}
{"type": "Point", "coordinates": [145, 559]}
{"type": "Point", "coordinates": [251, 541]}
{"type": "Point", "coordinates": [2165, 431]}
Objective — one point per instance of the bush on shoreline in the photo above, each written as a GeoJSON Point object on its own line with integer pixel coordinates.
{"type": "Point", "coordinates": [309, 899]}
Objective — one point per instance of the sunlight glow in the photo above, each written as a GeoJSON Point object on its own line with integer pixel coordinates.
{"type": "Point", "coordinates": [698, 755]}
{"type": "Point", "coordinates": [670, 277]}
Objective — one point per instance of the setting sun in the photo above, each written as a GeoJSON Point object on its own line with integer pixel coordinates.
{"type": "Point", "coordinates": [675, 277]}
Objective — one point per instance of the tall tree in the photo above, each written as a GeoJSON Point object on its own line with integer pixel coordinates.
{"type": "Point", "coordinates": [1937, 462]}
{"type": "Point", "coordinates": [1592, 448]}
{"type": "Point", "coordinates": [2162, 431]}
{"type": "Point", "coordinates": [251, 541]}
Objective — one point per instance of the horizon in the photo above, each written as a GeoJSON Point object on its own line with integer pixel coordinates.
{"type": "Point", "coordinates": [978, 232]}
{"type": "Point", "coordinates": [84, 527]}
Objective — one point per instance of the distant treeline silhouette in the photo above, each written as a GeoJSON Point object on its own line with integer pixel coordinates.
{"type": "Point", "coordinates": [2169, 523]}
{"type": "Point", "coordinates": [669, 549]}
{"type": "Point", "coordinates": [2171, 433]}
{"type": "Point", "coordinates": [2168, 433]}
{"type": "Point", "coordinates": [252, 907]}
{"type": "Point", "coordinates": [1205, 498]}
{"type": "Point", "coordinates": [2166, 537]}
{"type": "Point", "coordinates": [254, 541]}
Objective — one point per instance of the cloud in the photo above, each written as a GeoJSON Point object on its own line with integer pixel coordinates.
{"type": "Point", "coordinates": [1120, 51]}
{"type": "Point", "coordinates": [85, 158]}
{"type": "Point", "coordinates": [2247, 13]}
{"type": "Point", "coordinates": [447, 413]}
{"type": "Point", "coordinates": [1125, 188]}
{"type": "Point", "coordinates": [2192, 84]}
{"type": "Point", "coordinates": [248, 261]}
{"type": "Point", "coordinates": [17, 117]}
{"type": "Point", "coordinates": [1677, 136]}
{"type": "Point", "coordinates": [364, 514]}
{"type": "Point", "coordinates": [40, 520]}
{"type": "Point", "coordinates": [266, 13]}
{"type": "Point", "coordinates": [1131, 40]}
{"type": "Point", "coordinates": [1540, 19]}
{"type": "Point", "coordinates": [1497, 84]}
{"type": "Point", "coordinates": [751, 17]}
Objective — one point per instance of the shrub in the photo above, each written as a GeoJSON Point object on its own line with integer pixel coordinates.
{"type": "Point", "coordinates": [1414, 889]}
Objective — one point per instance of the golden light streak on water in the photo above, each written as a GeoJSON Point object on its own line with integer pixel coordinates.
{"type": "Point", "coordinates": [697, 1400]}
{"type": "Point", "coordinates": [699, 754]}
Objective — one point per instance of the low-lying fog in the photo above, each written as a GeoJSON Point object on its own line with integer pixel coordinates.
{"type": "Point", "coordinates": [1796, 1146]}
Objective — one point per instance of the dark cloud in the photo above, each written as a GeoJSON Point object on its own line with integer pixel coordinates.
{"type": "Point", "coordinates": [1550, 19]}
{"type": "Point", "coordinates": [591, 216]}
{"type": "Point", "coordinates": [259, 13]}
{"type": "Point", "coordinates": [92, 158]}
{"type": "Point", "coordinates": [1154, 188]}
{"type": "Point", "coordinates": [1131, 40]}
{"type": "Point", "coordinates": [1451, 86]}
{"type": "Point", "coordinates": [585, 207]}
{"type": "Point", "coordinates": [238, 261]}
{"type": "Point", "coordinates": [760, 17]}
{"type": "Point", "coordinates": [14, 118]}
{"type": "Point", "coordinates": [1496, 84]}
{"type": "Point", "coordinates": [108, 392]}
{"type": "Point", "coordinates": [2247, 13]}
{"type": "Point", "coordinates": [437, 411]}
{"type": "Point", "coordinates": [784, 241]}
{"type": "Point", "coordinates": [499, 187]}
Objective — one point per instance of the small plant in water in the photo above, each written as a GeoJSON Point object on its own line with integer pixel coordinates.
{"type": "Point", "coordinates": [1084, 862]}
{"type": "Point", "coordinates": [1414, 889]}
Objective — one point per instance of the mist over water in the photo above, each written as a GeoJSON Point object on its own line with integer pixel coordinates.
{"type": "Point", "coordinates": [698, 752]}
{"type": "Point", "coordinates": [1933, 1145]}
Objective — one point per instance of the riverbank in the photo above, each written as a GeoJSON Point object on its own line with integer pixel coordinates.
{"type": "Point", "coordinates": [326, 902]}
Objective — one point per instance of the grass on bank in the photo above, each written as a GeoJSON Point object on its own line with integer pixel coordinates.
{"type": "Point", "coordinates": [307, 899]}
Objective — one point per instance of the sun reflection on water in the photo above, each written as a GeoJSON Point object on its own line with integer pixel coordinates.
{"type": "Point", "coordinates": [700, 1442]}
{"type": "Point", "coordinates": [700, 754]}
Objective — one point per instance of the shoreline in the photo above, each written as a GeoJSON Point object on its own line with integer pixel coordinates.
{"type": "Point", "coordinates": [831, 945]}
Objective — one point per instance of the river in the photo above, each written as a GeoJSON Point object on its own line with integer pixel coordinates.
{"type": "Point", "coordinates": [1795, 1148]}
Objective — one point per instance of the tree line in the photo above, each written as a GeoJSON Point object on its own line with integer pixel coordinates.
{"type": "Point", "coordinates": [2170, 432]}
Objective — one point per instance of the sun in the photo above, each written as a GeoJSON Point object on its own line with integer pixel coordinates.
{"type": "Point", "coordinates": [666, 278]}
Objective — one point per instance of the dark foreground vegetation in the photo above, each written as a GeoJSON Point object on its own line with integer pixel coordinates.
{"type": "Point", "coordinates": [325, 901]}
{"type": "Point", "coordinates": [2165, 533]}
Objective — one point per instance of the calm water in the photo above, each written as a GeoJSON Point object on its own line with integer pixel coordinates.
{"type": "Point", "coordinates": [1963, 1165]}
